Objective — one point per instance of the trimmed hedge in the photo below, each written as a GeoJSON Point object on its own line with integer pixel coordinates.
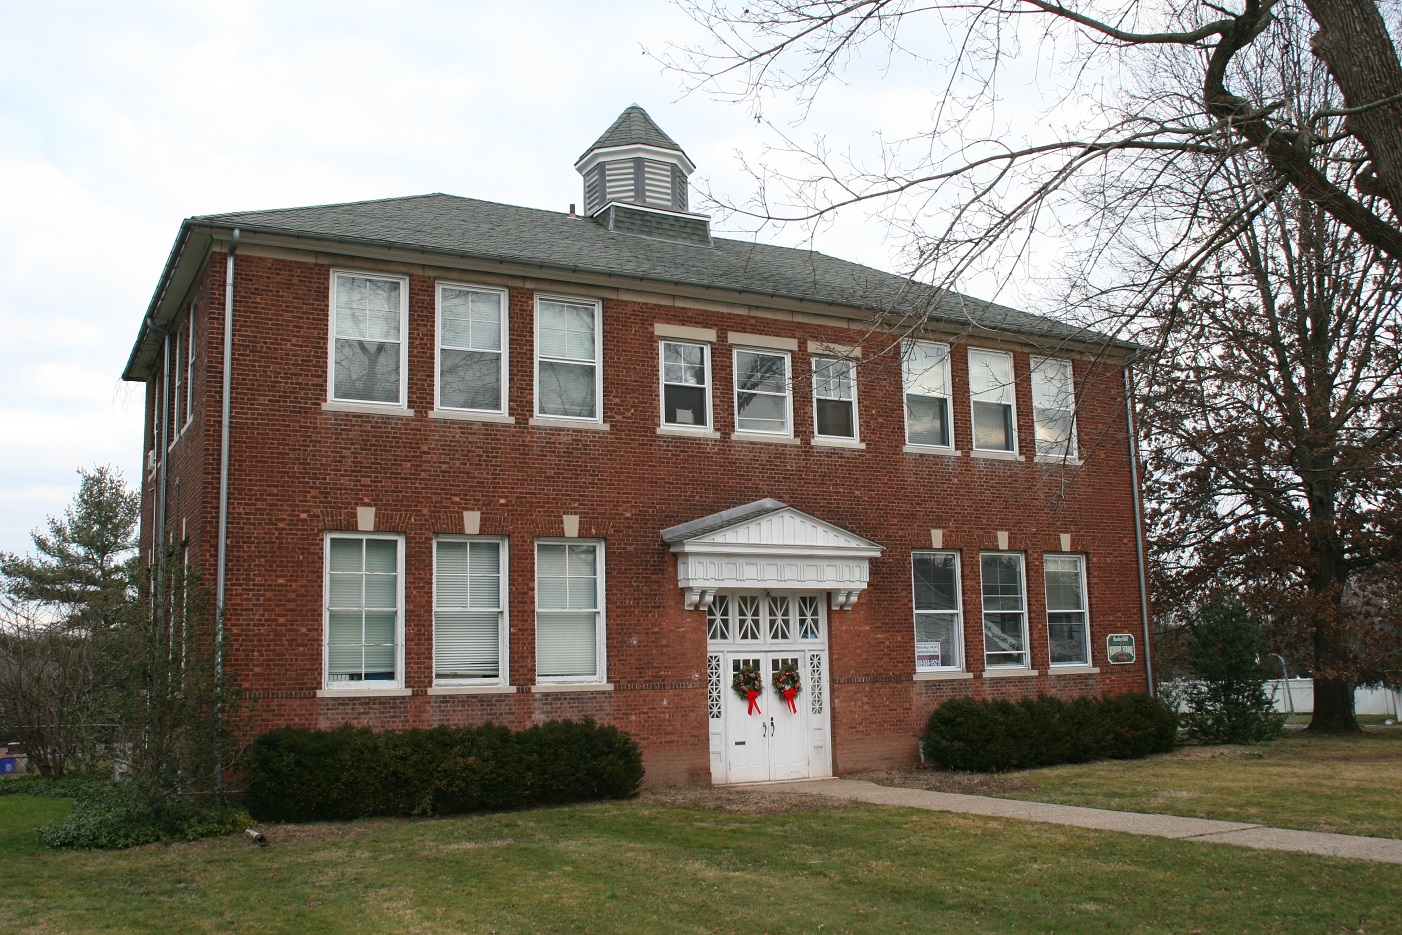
{"type": "Point", "coordinates": [295, 774]}
{"type": "Point", "coordinates": [996, 736]}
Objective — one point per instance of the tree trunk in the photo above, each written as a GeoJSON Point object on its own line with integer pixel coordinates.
{"type": "Point", "coordinates": [1333, 708]}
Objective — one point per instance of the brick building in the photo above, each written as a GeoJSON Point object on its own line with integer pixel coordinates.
{"type": "Point", "coordinates": [482, 462]}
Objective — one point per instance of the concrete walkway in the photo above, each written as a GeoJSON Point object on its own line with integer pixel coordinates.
{"type": "Point", "coordinates": [1381, 850]}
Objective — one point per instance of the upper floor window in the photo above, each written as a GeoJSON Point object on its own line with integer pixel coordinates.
{"type": "Point", "coordinates": [1054, 407]}
{"type": "Point", "coordinates": [178, 385]}
{"type": "Point", "coordinates": [569, 622]}
{"type": "Point", "coordinates": [991, 392]}
{"type": "Point", "coordinates": [364, 611]}
{"type": "Point", "coordinates": [190, 367]}
{"type": "Point", "coordinates": [834, 398]}
{"type": "Point", "coordinates": [925, 367]}
{"type": "Point", "coordinates": [471, 348]}
{"type": "Point", "coordinates": [1004, 610]}
{"type": "Point", "coordinates": [1067, 623]}
{"type": "Point", "coordinates": [686, 384]}
{"type": "Point", "coordinates": [469, 610]}
{"type": "Point", "coordinates": [568, 376]}
{"type": "Point", "coordinates": [763, 393]}
{"type": "Point", "coordinates": [368, 354]}
{"type": "Point", "coordinates": [939, 628]}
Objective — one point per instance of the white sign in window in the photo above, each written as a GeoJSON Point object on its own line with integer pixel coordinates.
{"type": "Point", "coordinates": [834, 398]}
{"type": "Point", "coordinates": [469, 618]}
{"type": "Point", "coordinates": [1067, 619]}
{"type": "Point", "coordinates": [991, 392]}
{"type": "Point", "coordinates": [364, 610]}
{"type": "Point", "coordinates": [1054, 407]}
{"type": "Point", "coordinates": [569, 629]}
{"type": "Point", "coordinates": [567, 359]}
{"type": "Point", "coordinates": [939, 628]}
{"type": "Point", "coordinates": [471, 348]}
{"type": "Point", "coordinates": [762, 392]}
{"type": "Point", "coordinates": [367, 348]}
{"type": "Point", "coordinates": [925, 368]}
{"type": "Point", "coordinates": [686, 385]}
{"type": "Point", "coordinates": [1004, 610]}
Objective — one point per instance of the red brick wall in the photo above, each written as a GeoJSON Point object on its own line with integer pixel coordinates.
{"type": "Point", "coordinates": [297, 471]}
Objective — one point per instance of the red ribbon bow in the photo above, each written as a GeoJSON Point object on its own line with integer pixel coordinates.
{"type": "Point", "coordinates": [754, 705]}
{"type": "Point", "coordinates": [788, 696]}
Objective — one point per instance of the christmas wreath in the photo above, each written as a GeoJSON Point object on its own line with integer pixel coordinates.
{"type": "Point", "coordinates": [748, 683]}
{"type": "Point", "coordinates": [787, 683]}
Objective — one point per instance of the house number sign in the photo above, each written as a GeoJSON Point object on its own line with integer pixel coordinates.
{"type": "Point", "coordinates": [1120, 648]}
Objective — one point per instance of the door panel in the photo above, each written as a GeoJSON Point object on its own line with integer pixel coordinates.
{"type": "Point", "coordinates": [788, 731]}
{"type": "Point", "coordinates": [747, 735]}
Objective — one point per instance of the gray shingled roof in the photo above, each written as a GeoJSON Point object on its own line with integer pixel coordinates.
{"type": "Point", "coordinates": [633, 127]}
{"type": "Point", "coordinates": [731, 517]}
{"type": "Point", "coordinates": [466, 227]}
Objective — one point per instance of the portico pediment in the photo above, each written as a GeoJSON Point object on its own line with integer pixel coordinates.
{"type": "Point", "coordinates": [772, 546]}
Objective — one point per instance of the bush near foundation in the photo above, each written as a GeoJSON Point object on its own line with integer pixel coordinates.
{"type": "Point", "coordinates": [996, 736]}
{"type": "Point", "coordinates": [127, 814]}
{"type": "Point", "coordinates": [295, 774]}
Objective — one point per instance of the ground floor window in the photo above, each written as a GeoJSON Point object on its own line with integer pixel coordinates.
{"type": "Point", "coordinates": [1004, 610]}
{"type": "Point", "coordinates": [1067, 620]}
{"type": "Point", "coordinates": [469, 610]}
{"type": "Point", "coordinates": [364, 610]}
{"type": "Point", "coordinates": [938, 624]}
{"type": "Point", "coordinates": [569, 629]}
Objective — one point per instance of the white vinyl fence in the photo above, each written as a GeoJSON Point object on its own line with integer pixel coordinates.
{"type": "Point", "coordinates": [1297, 695]}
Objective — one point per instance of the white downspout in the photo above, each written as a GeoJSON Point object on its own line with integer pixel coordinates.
{"type": "Point", "coordinates": [223, 549]}
{"type": "Point", "coordinates": [1138, 528]}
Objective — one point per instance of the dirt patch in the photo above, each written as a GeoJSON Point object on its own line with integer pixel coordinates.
{"type": "Point", "coordinates": [934, 780]}
{"type": "Point", "coordinates": [742, 801]}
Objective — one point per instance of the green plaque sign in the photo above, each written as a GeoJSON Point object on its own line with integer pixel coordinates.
{"type": "Point", "coordinates": [1120, 648]}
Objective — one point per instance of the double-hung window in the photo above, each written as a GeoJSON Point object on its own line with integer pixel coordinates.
{"type": "Point", "coordinates": [763, 392]}
{"type": "Point", "coordinates": [939, 626]}
{"type": "Point", "coordinates": [190, 367]}
{"type": "Point", "coordinates": [469, 611]}
{"type": "Point", "coordinates": [925, 367]}
{"type": "Point", "coordinates": [1067, 620]}
{"type": "Point", "coordinates": [368, 355]}
{"type": "Point", "coordinates": [1004, 610]}
{"type": "Point", "coordinates": [177, 385]}
{"type": "Point", "coordinates": [364, 611]}
{"type": "Point", "coordinates": [686, 384]}
{"type": "Point", "coordinates": [991, 392]}
{"type": "Point", "coordinates": [569, 622]}
{"type": "Point", "coordinates": [834, 398]}
{"type": "Point", "coordinates": [471, 348]}
{"type": "Point", "coordinates": [1054, 407]}
{"type": "Point", "coordinates": [567, 373]}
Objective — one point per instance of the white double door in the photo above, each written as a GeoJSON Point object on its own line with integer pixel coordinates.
{"type": "Point", "coordinates": [769, 741]}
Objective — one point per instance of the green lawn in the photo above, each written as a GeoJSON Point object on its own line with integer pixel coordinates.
{"type": "Point", "coordinates": [1348, 785]}
{"type": "Point", "coordinates": [640, 867]}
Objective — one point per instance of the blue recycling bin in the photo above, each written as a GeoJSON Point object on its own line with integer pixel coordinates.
{"type": "Point", "coordinates": [8, 765]}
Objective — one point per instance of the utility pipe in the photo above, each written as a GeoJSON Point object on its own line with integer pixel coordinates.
{"type": "Point", "coordinates": [1138, 527]}
{"type": "Point", "coordinates": [223, 549]}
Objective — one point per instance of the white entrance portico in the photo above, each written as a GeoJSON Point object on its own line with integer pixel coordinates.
{"type": "Point", "coordinates": [767, 576]}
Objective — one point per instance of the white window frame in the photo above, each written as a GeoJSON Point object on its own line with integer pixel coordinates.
{"type": "Point", "coordinates": [958, 611]}
{"type": "Point", "coordinates": [598, 361]}
{"type": "Point", "coordinates": [856, 435]}
{"type": "Point", "coordinates": [503, 610]}
{"type": "Point", "coordinates": [735, 353]}
{"type": "Point", "coordinates": [663, 384]}
{"type": "Point", "coordinates": [177, 387]}
{"type": "Point", "coordinates": [438, 344]}
{"type": "Point", "coordinates": [1071, 449]}
{"type": "Point", "coordinates": [948, 398]}
{"type": "Point", "coordinates": [983, 607]}
{"type": "Point", "coordinates": [331, 396]}
{"type": "Point", "coordinates": [1012, 406]}
{"type": "Point", "coordinates": [601, 622]}
{"type": "Point", "coordinates": [1084, 611]}
{"type": "Point", "coordinates": [361, 686]}
{"type": "Point", "coordinates": [190, 368]}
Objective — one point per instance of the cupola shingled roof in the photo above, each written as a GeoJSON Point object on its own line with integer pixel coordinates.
{"type": "Point", "coordinates": [633, 128]}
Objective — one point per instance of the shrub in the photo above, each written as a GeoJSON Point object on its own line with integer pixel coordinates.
{"type": "Point", "coordinates": [1226, 692]}
{"type": "Point", "coordinates": [295, 774]}
{"type": "Point", "coordinates": [68, 787]}
{"type": "Point", "coordinates": [996, 736]}
{"type": "Point", "coordinates": [115, 815]}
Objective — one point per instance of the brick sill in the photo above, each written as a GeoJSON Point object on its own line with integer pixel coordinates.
{"type": "Point", "coordinates": [1073, 670]}
{"type": "Point", "coordinates": [941, 676]}
{"type": "Point", "coordinates": [364, 692]}
{"type": "Point", "coordinates": [758, 437]}
{"type": "Point", "coordinates": [574, 687]}
{"type": "Point", "coordinates": [676, 431]}
{"type": "Point", "coordinates": [542, 422]}
{"type": "Point", "coordinates": [1008, 673]}
{"type": "Point", "coordinates": [463, 415]}
{"type": "Point", "coordinates": [472, 690]}
{"type": "Point", "coordinates": [398, 412]}
{"type": "Point", "coordinates": [819, 442]}
{"type": "Point", "coordinates": [996, 456]}
{"type": "Point", "coordinates": [931, 450]}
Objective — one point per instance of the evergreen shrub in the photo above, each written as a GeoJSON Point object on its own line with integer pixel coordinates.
{"type": "Point", "coordinates": [1225, 693]}
{"type": "Point", "coordinates": [996, 736]}
{"type": "Point", "coordinates": [126, 814]}
{"type": "Point", "coordinates": [296, 774]}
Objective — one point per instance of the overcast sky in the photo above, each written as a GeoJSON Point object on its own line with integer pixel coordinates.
{"type": "Point", "coordinates": [117, 120]}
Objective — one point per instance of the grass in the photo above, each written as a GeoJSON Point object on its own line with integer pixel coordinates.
{"type": "Point", "coordinates": [646, 867]}
{"type": "Point", "coordinates": [1346, 785]}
